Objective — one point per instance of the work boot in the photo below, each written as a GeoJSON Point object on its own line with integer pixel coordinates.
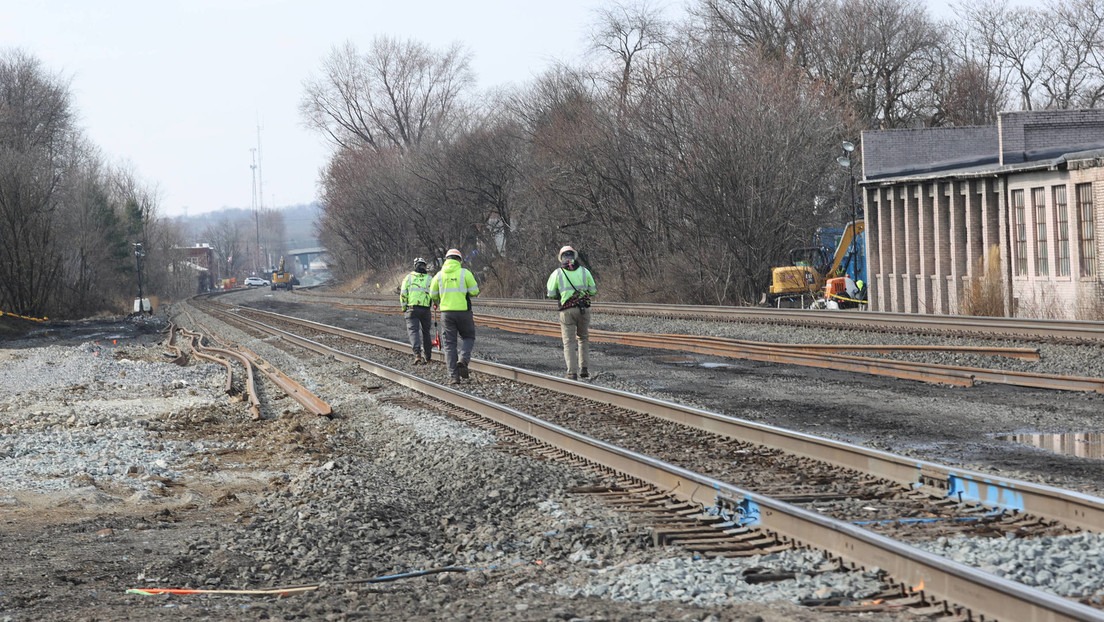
{"type": "Point", "coordinates": [418, 360]}
{"type": "Point", "coordinates": [583, 373]}
{"type": "Point", "coordinates": [462, 369]}
{"type": "Point", "coordinates": [571, 376]}
{"type": "Point", "coordinates": [454, 380]}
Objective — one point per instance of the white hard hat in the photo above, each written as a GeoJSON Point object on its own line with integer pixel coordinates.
{"type": "Point", "coordinates": [564, 250]}
{"type": "Point", "coordinates": [452, 252]}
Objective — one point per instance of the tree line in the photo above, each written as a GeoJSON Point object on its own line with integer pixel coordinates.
{"type": "Point", "coordinates": [68, 219]}
{"type": "Point", "coordinates": [685, 156]}
{"type": "Point", "coordinates": [71, 222]}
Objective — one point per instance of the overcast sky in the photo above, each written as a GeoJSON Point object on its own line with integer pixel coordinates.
{"type": "Point", "coordinates": [177, 88]}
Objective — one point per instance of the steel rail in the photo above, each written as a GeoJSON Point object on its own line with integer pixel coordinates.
{"type": "Point", "coordinates": [787, 354]}
{"type": "Point", "coordinates": [1080, 331]}
{"type": "Point", "coordinates": [1068, 507]}
{"type": "Point", "coordinates": [250, 383]}
{"type": "Point", "coordinates": [293, 389]}
{"type": "Point", "coordinates": [706, 344]}
{"type": "Point", "coordinates": [703, 344]}
{"type": "Point", "coordinates": [982, 593]}
{"type": "Point", "coordinates": [228, 386]}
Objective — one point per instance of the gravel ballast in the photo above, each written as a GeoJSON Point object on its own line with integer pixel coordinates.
{"type": "Point", "coordinates": [113, 437]}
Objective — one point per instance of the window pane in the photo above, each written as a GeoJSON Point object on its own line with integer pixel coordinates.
{"type": "Point", "coordinates": [1042, 252]}
{"type": "Point", "coordinates": [1020, 227]}
{"type": "Point", "coordinates": [1061, 222]}
{"type": "Point", "coordinates": [1086, 219]}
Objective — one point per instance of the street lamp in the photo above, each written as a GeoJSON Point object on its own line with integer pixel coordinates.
{"type": "Point", "coordinates": [138, 255]}
{"type": "Point", "coordinates": [845, 161]}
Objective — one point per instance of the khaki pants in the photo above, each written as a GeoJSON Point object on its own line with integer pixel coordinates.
{"type": "Point", "coordinates": [575, 330]}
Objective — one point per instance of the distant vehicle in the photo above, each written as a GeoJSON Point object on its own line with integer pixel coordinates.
{"type": "Point", "coordinates": [282, 279]}
{"type": "Point", "coordinates": [821, 271]}
{"type": "Point", "coordinates": [256, 281]}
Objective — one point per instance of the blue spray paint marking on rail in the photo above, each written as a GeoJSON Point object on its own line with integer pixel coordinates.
{"type": "Point", "coordinates": [985, 492]}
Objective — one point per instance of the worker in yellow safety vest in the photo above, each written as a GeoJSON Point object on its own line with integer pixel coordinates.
{"type": "Point", "coordinates": [452, 289]}
{"type": "Point", "coordinates": [415, 301]}
{"type": "Point", "coordinates": [572, 286]}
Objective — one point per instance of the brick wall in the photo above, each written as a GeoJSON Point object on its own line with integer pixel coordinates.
{"type": "Point", "coordinates": [888, 153]}
{"type": "Point", "coordinates": [1040, 134]}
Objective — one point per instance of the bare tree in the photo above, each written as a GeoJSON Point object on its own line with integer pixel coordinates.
{"type": "Point", "coordinates": [1072, 68]}
{"type": "Point", "coordinates": [780, 30]}
{"type": "Point", "coordinates": [36, 127]}
{"type": "Point", "coordinates": [396, 95]}
{"type": "Point", "coordinates": [754, 167]}
{"type": "Point", "coordinates": [1014, 37]}
{"type": "Point", "coordinates": [227, 239]}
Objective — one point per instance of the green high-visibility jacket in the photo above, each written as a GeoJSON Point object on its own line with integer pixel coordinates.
{"type": "Point", "coordinates": [566, 284]}
{"type": "Point", "coordinates": [453, 287]}
{"type": "Point", "coordinates": [415, 291]}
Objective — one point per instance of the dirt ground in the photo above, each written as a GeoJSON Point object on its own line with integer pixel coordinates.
{"type": "Point", "coordinates": [235, 520]}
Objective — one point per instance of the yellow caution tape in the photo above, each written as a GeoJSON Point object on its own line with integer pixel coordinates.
{"type": "Point", "coordinates": [25, 317]}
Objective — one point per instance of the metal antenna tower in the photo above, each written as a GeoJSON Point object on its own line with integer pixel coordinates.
{"type": "Point", "coordinates": [260, 171]}
{"type": "Point", "coordinates": [256, 213]}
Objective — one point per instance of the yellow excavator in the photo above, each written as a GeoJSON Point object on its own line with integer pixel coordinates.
{"type": "Point", "coordinates": [835, 253]}
{"type": "Point", "coordinates": [282, 279]}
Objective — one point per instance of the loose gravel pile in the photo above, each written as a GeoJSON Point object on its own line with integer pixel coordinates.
{"type": "Point", "coordinates": [71, 416]}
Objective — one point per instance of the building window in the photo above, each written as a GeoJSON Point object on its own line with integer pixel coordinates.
{"type": "Point", "coordinates": [1061, 221]}
{"type": "Point", "coordinates": [1020, 228]}
{"type": "Point", "coordinates": [1042, 252]}
{"type": "Point", "coordinates": [1087, 220]}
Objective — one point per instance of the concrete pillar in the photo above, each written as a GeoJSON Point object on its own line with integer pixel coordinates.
{"type": "Point", "coordinates": [941, 245]}
{"type": "Point", "coordinates": [872, 209]}
{"type": "Point", "coordinates": [924, 285]}
{"type": "Point", "coordinates": [1005, 240]}
{"type": "Point", "coordinates": [897, 244]}
{"type": "Point", "coordinates": [912, 247]}
{"type": "Point", "coordinates": [960, 261]}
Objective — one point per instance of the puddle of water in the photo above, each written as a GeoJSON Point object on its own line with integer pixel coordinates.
{"type": "Point", "coordinates": [690, 361]}
{"type": "Point", "coordinates": [1079, 444]}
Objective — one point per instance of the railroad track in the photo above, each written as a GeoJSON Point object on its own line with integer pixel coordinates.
{"type": "Point", "coordinates": [1019, 329]}
{"type": "Point", "coordinates": [1048, 331]}
{"type": "Point", "coordinates": [823, 356]}
{"type": "Point", "coordinates": [756, 516]}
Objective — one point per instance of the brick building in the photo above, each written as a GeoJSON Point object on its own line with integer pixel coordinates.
{"type": "Point", "coordinates": [942, 203]}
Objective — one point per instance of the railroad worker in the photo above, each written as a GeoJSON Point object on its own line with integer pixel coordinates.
{"type": "Point", "coordinates": [415, 301]}
{"type": "Point", "coordinates": [573, 286]}
{"type": "Point", "coordinates": [451, 290]}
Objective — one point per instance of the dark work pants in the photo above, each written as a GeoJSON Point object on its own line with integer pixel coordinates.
{"type": "Point", "coordinates": [419, 320]}
{"type": "Point", "coordinates": [462, 324]}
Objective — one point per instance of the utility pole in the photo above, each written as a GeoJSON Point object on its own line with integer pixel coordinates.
{"type": "Point", "coordinates": [260, 171]}
{"type": "Point", "coordinates": [256, 214]}
{"type": "Point", "coordinates": [260, 193]}
{"type": "Point", "coordinates": [138, 254]}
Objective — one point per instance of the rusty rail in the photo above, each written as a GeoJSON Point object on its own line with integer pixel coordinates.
{"type": "Point", "coordinates": [799, 354]}
{"type": "Point", "coordinates": [250, 384]}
